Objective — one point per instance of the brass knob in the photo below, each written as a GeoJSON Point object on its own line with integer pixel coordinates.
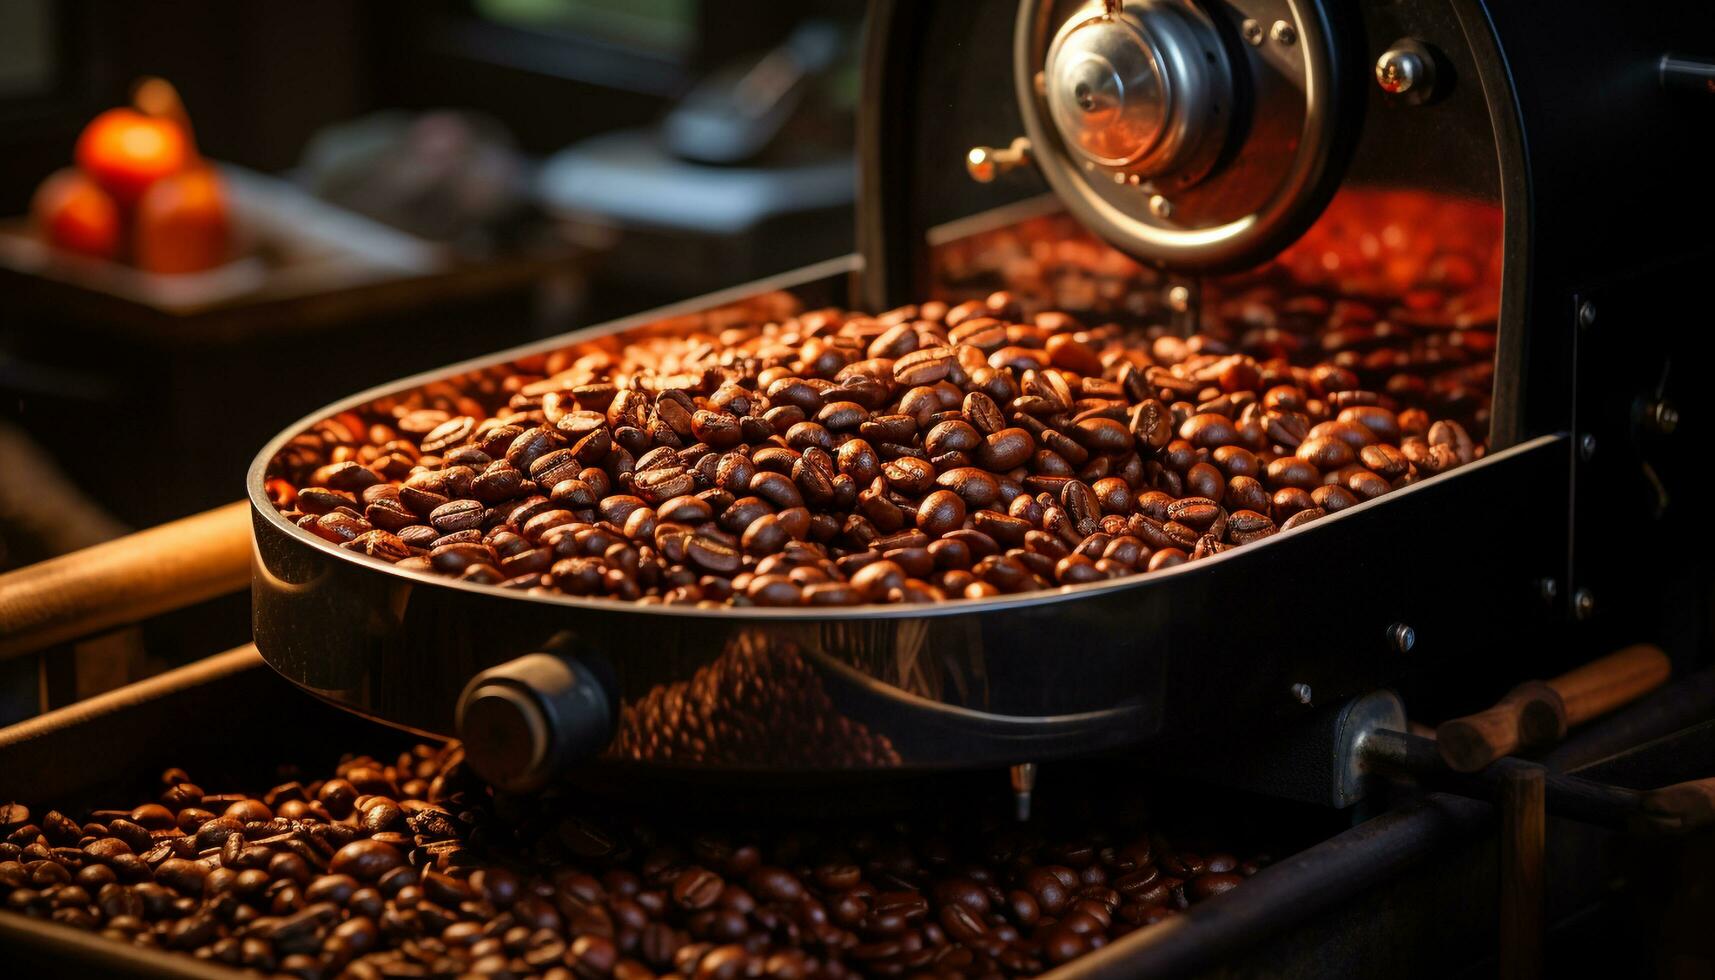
{"type": "Point", "coordinates": [985, 163]}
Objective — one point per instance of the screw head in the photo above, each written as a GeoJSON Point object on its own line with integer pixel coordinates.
{"type": "Point", "coordinates": [1283, 33]}
{"type": "Point", "coordinates": [1252, 32]}
{"type": "Point", "coordinates": [1301, 693]}
{"type": "Point", "coordinates": [1586, 446]}
{"type": "Point", "coordinates": [1587, 314]}
{"type": "Point", "coordinates": [1583, 604]}
{"type": "Point", "coordinates": [1398, 71]}
{"type": "Point", "coordinates": [1549, 589]}
{"type": "Point", "coordinates": [1178, 299]}
{"type": "Point", "coordinates": [1402, 637]}
{"type": "Point", "coordinates": [1160, 206]}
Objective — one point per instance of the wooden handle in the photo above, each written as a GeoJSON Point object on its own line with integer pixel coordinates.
{"type": "Point", "coordinates": [1530, 714]}
{"type": "Point", "coordinates": [1536, 713]}
{"type": "Point", "coordinates": [1680, 807]}
{"type": "Point", "coordinates": [1602, 685]}
{"type": "Point", "coordinates": [125, 580]}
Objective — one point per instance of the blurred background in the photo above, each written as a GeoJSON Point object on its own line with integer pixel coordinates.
{"type": "Point", "coordinates": [217, 217]}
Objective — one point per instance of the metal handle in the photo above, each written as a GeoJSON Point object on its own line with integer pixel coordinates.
{"type": "Point", "coordinates": [523, 722]}
{"type": "Point", "coordinates": [126, 580]}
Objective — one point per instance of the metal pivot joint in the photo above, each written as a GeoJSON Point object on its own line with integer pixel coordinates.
{"type": "Point", "coordinates": [525, 721]}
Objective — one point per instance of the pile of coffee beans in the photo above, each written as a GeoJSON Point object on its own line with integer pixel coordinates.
{"type": "Point", "coordinates": [757, 703]}
{"type": "Point", "coordinates": [829, 458]}
{"type": "Point", "coordinates": [413, 869]}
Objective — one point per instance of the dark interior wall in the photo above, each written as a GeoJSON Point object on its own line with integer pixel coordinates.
{"type": "Point", "coordinates": [258, 79]}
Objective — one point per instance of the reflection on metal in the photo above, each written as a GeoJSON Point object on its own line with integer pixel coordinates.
{"type": "Point", "coordinates": [1359, 719]}
{"type": "Point", "coordinates": [1406, 71]}
{"type": "Point", "coordinates": [1023, 786]}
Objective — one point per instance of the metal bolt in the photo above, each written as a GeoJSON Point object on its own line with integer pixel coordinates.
{"type": "Point", "coordinates": [1301, 692]}
{"type": "Point", "coordinates": [1283, 33]}
{"type": "Point", "coordinates": [1549, 589]}
{"type": "Point", "coordinates": [1160, 206]}
{"type": "Point", "coordinates": [1583, 604]}
{"type": "Point", "coordinates": [1586, 446]}
{"type": "Point", "coordinates": [1178, 299]}
{"type": "Point", "coordinates": [1402, 637]}
{"type": "Point", "coordinates": [1252, 32]}
{"type": "Point", "coordinates": [1587, 314]}
{"type": "Point", "coordinates": [1398, 71]}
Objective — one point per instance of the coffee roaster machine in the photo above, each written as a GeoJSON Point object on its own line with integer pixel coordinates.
{"type": "Point", "coordinates": [1186, 145]}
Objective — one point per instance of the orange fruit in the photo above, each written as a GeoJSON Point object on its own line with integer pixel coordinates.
{"type": "Point", "coordinates": [74, 213]}
{"type": "Point", "coordinates": [182, 224]}
{"type": "Point", "coordinates": [126, 151]}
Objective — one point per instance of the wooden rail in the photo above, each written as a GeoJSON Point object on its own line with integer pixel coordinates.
{"type": "Point", "coordinates": [125, 580]}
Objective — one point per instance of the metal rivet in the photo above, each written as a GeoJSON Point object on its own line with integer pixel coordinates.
{"type": "Point", "coordinates": [1583, 604]}
{"type": "Point", "coordinates": [1586, 446]}
{"type": "Point", "coordinates": [1160, 206]}
{"type": "Point", "coordinates": [1301, 692]}
{"type": "Point", "coordinates": [1402, 637]}
{"type": "Point", "coordinates": [1252, 31]}
{"type": "Point", "coordinates": [1283, 33]}
{"type": "Point", "coordinates": [1587, 315]}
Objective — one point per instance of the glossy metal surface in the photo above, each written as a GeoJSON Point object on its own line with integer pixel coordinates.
{"type": "Point", "coordinates": [1171, 137]}
{"type": "Point", "coordinates": [963, 683]}
{"type": "Point", "coordinates": [1143, 92]}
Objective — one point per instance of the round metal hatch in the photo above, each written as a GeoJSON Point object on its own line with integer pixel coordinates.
{"type": "Point", "coordinates": [1192, 138]}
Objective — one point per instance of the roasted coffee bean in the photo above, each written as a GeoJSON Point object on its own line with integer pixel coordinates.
{"type": "Point", "coordinates": [365, 860]}
{"type": "Point", "coordinates": [648, 467]}
{"type": "Point", "coordinates": [913, 901]}
{"type": "Point", "coordinates": [940, 512]}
